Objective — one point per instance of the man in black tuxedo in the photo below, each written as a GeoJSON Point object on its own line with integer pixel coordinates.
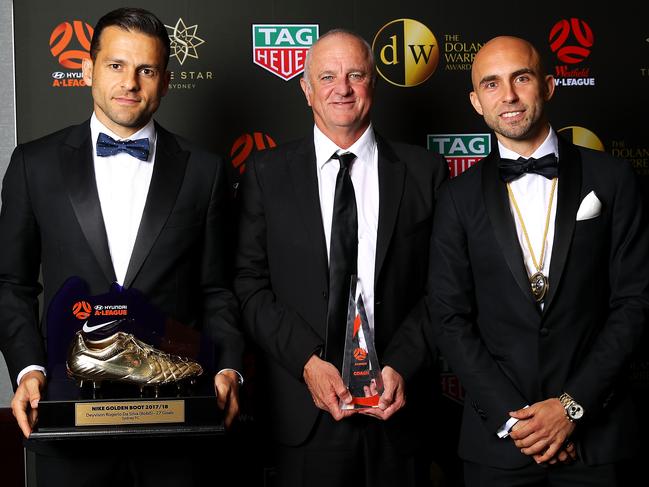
{"type": "Point", "coordinates": [539, 289]}
{"type": "Point", "coordinates": [288, 247]}
{"type": "Point", "coordinates": [152, 217]}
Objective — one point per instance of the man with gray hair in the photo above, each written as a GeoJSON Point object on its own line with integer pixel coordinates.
{"type": "Point", "coordinates": [340, 202]}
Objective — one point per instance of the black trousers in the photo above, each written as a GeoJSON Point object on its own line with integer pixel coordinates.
{"type": "Point", "coordinates": [142, 462]}
{"type": "Point", "coordinates": [533, 475]}
{"type": "Point", "coordinates": [352, 452]}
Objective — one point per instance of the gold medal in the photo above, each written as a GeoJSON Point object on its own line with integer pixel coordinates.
{"type": "Point", "coordinates": [539, 285]}
{"type": "Point", "coordinates": [538, 281]}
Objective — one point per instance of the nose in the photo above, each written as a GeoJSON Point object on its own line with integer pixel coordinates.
{"type": "Point", "coordinates": [510, 95]}
{"type": "Point", "coordinates": [130, 80]}
{"type": "Point", "coordinates": [343, 86]}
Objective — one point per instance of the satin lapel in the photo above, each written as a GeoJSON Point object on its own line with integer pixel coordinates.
{"type": "Point", "coordinates": [569, 190]}
{"type": "Point", "coordinates": [78, 171]}
{"type": "Point", "coordinates": [391, 179]}
{"type": "Point", "coordinates": [167, 178]}
{"type": "Point", "coordinates": [497, 206]}
{"type": "Point", "coordinates": [301, 166]}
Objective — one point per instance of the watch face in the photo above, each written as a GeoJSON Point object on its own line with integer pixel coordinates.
{"type": "Point", "coordinates": [575, 411]}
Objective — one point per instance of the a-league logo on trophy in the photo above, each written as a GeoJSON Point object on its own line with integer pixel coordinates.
{"type": "Point", "coordinates": [361, 372]}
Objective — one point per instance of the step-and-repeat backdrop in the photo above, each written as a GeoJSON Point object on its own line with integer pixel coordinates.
{"type": "Point", "coordinates": [236, 66]}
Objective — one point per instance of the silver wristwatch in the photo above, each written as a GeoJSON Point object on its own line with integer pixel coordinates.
{"type": "Point", "coordinates": [574, 410]}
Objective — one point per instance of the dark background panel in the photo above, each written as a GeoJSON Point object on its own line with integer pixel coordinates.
{"type": "Point", "coordinates": [242, 97]}
{"type": "Point", "coordinates": [222, 97]}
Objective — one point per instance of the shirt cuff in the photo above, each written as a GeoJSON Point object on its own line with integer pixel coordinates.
{"type": "Point", "coordinates": [504, 430]}
{"type": "Point", "coordinates": [29, 368]}
{"type": "Point", "coordinates": [239, 381]}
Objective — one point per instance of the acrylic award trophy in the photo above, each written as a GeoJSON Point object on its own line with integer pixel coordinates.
{"type": "Point", "coordinates": [361, 372]}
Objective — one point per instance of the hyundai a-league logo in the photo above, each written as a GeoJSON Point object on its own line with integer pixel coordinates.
{"type": "Point", "coordinates": [70, 45]}
{"type": "Point", "coordinates": [572, 41]}
{"type": "Point", "coordinates": [184, 41]}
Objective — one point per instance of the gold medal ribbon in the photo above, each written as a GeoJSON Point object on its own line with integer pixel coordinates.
{"type": "Point", "coordinates": [538, 281]}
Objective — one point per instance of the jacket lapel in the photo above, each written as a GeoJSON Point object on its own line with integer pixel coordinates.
{"type": "Point", "coordinates": [391, 181]}
{"type": "Point", "coordinates": [301, 166]}
{"type": "Point", "coordinates": [496, 202]}
{"type": "Point", "coordinates": [569, 190]}
{"type": "Point", "coordinates": [167, 178]}
{"type": "Point", "coordinates": [78, 172]}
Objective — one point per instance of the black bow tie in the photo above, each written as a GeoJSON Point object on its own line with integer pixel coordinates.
{"type": "Point", "coordinates": [107, 146]}
{"type": "Point", "coordinates": [510, 169]}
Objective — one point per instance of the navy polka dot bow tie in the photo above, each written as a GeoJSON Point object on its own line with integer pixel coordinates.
{"type": "Point", "coordinates": [107, 146]}
{"type": "Point", "coordinates": [510, 169]}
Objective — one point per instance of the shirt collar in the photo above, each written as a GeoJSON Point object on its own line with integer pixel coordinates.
{"type": "Point", "coordinates": [148, 131]}
{"type": "Point", "coordinates": [363, 148]}
{"type": "Point", "coordinates": [550, 145]}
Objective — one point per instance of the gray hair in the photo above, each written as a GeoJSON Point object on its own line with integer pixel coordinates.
{"type": "Point", "coordinates": [340, 31]}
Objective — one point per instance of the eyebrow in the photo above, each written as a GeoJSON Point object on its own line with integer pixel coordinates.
{"type": "Point", "coordinates": [516, 73]}
{"type": "Point", "coordinates": [335, 71]}
{"type": "Point", "coordinates": [489, 78]}
{"type": "Point", "coordinates": [114, 60]}
{"type": "Point", "coordinates": [150, 66]}
{"type": "Point", "coordinates": [139, 66]}
{"type": "Point", "coordinates": [522, 71]}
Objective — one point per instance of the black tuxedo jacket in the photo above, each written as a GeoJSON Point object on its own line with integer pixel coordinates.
{"type": "Point", "coordinates": [51, 217]}
{"type": "Point", "coordinates": [509, 353]}
{"type": "Point", "coordinates": [282, 275]}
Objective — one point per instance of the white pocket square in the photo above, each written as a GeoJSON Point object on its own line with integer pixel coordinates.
{"type": "Point", "coordinates": [590, 207]}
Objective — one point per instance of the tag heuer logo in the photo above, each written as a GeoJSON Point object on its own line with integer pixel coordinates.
{"type": "Point", "coordinates": [460, 150]}
{"type": "Point", "coordinates": [281, 49]}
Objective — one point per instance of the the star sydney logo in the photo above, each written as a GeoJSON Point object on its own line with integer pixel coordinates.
{"type": "Point", "coordinates": [184, 41]}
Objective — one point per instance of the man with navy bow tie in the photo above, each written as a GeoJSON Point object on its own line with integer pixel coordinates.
{"type": "Point", "coordinates": [117, 199]}
{"type": "Point", "coordinates": [539, 289]}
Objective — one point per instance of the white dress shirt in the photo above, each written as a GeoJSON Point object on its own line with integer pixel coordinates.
{"type": "Point", "coordinates": [123, 185]}
{"type": "Point", "coordinates": [364, 173]}
{"type": "Point", "coordinates": [532, 193]}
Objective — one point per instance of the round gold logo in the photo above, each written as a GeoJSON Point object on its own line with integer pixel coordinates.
{"type": "Point", "coordinates": [582, 137]}
{"type": "Point", "coordinates": [406, 52]}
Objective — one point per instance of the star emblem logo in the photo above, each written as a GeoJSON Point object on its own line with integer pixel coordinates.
{"type": "Point", "coordinates": [184, 41]}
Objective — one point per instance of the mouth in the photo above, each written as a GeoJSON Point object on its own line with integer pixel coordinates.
{"type": "Point", "coordinates": [343, 104]}
{"type": "Point", "coordinates": [511, 114]}
{"type": "Point", "coordinates": [124, 100]}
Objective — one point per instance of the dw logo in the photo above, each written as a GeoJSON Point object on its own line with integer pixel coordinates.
{"type": "Point", "coordinates": [406, 52]}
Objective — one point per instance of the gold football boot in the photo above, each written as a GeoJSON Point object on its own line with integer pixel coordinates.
{"type": "Point", "coordinates": [123, 358]}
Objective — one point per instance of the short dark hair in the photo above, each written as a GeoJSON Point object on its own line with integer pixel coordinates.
{"type": "Point", "coordinates": [131, 19]}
